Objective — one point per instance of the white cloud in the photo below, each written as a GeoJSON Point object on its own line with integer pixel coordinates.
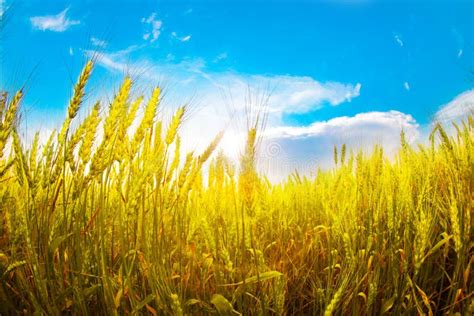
{"type": "Point", "coordinates": [406, 85]}
{"type": "Point", "coordinates": [98, 42]}
{"type": "Point", "coordinates": [219, 102]}
{"type": "Point", "coordinates": [398, 39]}
{"type": "Point", "coordinates": [185, 38]}
{"type": "Point", "coordinates": [56, 23]}
{"type": "Point", "coordinates": [458, 108]}
{"type": "Point", "coordinates": [221, 56]}
{"type": "Point", "coordinates": [459, 38]}
{"type": "Point", "coordinates": [181, 39]}
{"type": "Point", "coordinates": [108, 61]}
{"type": "Point", "coordinates": [287, 94]}
{"type": "Point", "coordinates": [155, 30]}
{"type": "Point", "coordinates": [344, 126]}
{"type": "Point", "coordinates": [297, 94]}
{"type": "Point", "coordinates": [71, 51]}
{"type": "Point", "coordinates": [290, 148]}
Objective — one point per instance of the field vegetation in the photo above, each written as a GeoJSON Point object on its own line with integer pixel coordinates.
{"type": "Point", "coordinates": [109, 216]}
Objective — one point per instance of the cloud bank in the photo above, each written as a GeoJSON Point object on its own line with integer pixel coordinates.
{"type": "Point", "coordinates": [306, 148]}
{"type": "Point", "coordinates": [221, 99]}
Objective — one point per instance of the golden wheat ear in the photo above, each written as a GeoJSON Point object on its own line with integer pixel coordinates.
{"type": "Point", "coordinates": [174, 125]}
{"type": "Point", "coordinates": [147, 120]}
{"type": "Point", "coordinates": [90, 127]}
{"type": "Point", "coordinates": [9, 121]}
{"type": "Point", "coordinates": [76, 100]}
{"type": "Point", "coordinates": [3, 104]}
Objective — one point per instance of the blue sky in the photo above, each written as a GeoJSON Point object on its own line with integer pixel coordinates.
{"type": "Point", "coordinates": [338, 70]}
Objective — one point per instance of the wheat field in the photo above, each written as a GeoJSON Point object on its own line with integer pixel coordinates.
{"type": "Point", "coordinates": [110, 217]}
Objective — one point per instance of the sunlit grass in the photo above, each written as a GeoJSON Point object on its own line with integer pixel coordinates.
{"type": "Point", "coordinates": [112, 218]}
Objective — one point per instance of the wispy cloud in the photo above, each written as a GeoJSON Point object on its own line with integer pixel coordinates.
{"type": "Point", "coordinates": [181, 39]}
{"type": "Point", "coordinates": [115, 61]}
{"type": "Point", "coordinates": [170, 57]}
{"type": "Point", "coordinates": [185, 38]}
{"type": "Point", "coordinates": [406, 85]}
{"type": "Point", "coordinates": [458, 108]}
{"type": "Point", "coordinates": [218, 95]}
{"type": "Point", "coordinates": [459, 38]}
{"type": "Point", "coordinates": [398, 39]}
{"type": "Point", "coordinates": [288, 94]}
{"type": "Point", "coordinates": [56, 23]}
{"type": "Point", "coordinates": [154, 27]}
{"type": "Point", "coordinates": [71, 51]}
{"type": "Point", "coordinates": [98, 42]}
{"type": "Point", "coordinates": [221, 56]}
{"type": "Point", "coordinates": [2, 7]}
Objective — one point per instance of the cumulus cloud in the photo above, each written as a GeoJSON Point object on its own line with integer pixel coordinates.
{"type": "Point", "coordinates": [154, 27]}
{"type": "Point", "coordinates": [343, 126]}
{"type": "Point", "coordinates": [457, 109]}
{"type": "Point", "coordinates": [219, 102]}
{"type": "Point", "coordinates": [225, 94]}
{"type": "Point", "coordinates": [56, 23]}
{"type": "Point", "coordinates": [305, 148]}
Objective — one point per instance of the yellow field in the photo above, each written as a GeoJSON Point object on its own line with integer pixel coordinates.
{"type": "Point", "coordinates": [117, 224]}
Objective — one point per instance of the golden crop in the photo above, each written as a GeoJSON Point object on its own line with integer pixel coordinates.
{"type": "Point", "coordinates": [108, 219]}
